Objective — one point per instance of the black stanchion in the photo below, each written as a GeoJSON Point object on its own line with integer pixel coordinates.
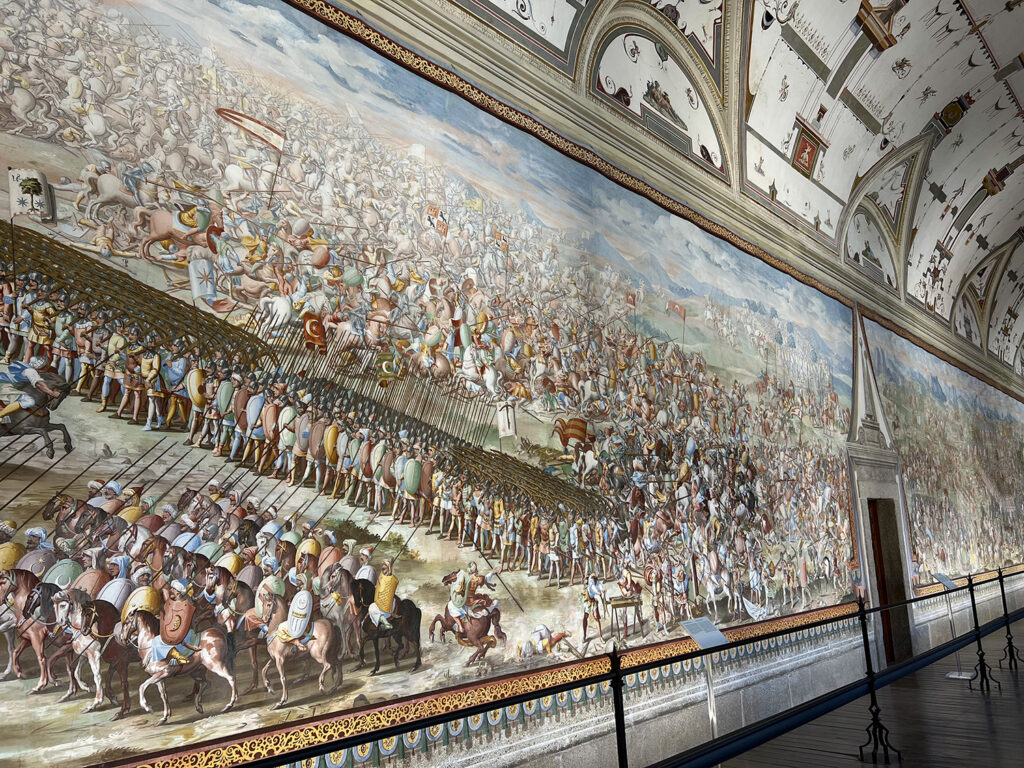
{"type": "Point", "coordinates": [1010, 654]}
{"type": "Point", "coordinates": [878, 734]}
{"type": "Point", "coordinates": [982, 671]}
{"type": "Point", "coordinates": [620, 710]}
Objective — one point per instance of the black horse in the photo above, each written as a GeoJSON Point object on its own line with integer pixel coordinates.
{"type": "Point", "coordinates": [404, 633]}
{"type": "Point", "coordinates": [35, 419]}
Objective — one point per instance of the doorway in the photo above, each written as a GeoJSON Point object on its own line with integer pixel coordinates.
{"type": "Point", "coordinates": [889, 581]}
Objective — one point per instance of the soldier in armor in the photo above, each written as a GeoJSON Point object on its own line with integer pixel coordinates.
{"type": "Point", "coordinates": [286, 439]}
{"type": "Point", "coordinates": [206, 425]}
{"type": "Point", "coordinates": [384, 600]}
{"type": "Point", "coordinates": [175, 368]}
{"type": "Point", "coordinates": [40, 333]}
{"type": "Point", "coordinates": [177, 641]}
{"type": "Point", "coordinates": [114, 353]}
{"type": "Point", "coordinates": [226, 394]}
{"type": "Point", "coordinates": [65, 347]}
{"type": "Point", "coordinates": [240, 402]}
{"type": "Point", "coordinates": [86, 321]}
{"type": "Point", "coordinates": [134, 387]}
{"type": "Point", "coordinates": [151, 369]}
{"type": "Point", "coordinates": [300, 446]}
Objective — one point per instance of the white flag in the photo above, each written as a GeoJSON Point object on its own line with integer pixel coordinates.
{"type": "Point", "coordinates": [29, 193]}
{"type": "Point", "coordinates": [506, 421]}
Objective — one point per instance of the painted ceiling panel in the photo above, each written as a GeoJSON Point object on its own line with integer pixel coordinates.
{"type": "Point", "coordinates": [866, 249]}
{"type": "Point", "coordinates": [700, 24]}
{"type": "Point", "coordinates": [637, 73]}
{"type": "Point", "coordinates": [889, 191]}
{"type": "Point", "coordinates": [965, 321]}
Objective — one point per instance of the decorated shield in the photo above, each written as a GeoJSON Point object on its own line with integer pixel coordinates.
{"type": "Point", "coordinates": [251, 575]}
{"type": "Point", "coordinates": [116, 592]}
{"type": "Point", "coordinates": [253, 411]}
{"type": "Point", "coordinates": [63, 573]}
{"type": "Point", "coordinates": [299, 613]}
{"type": "Point", "coordinates": [190, 542]}
{"type": "Point", "coordinates": [176, 621]}
{"type": "Point", "coordinates": [91, 581]}
{"type": "Point", "coordinates": [142, 599]}
{"type": "Point", "coordinates": [240, 408]}
{"type": "Point", "coordinates": [412, 475]}
{"type": "Point", "coordinates": [330, 443]}
{"type": "Point", "coordinates": [225, 391]}
{"type": "Point", "coordinates": [230, 562]}
{"type": "Point", "coordinates": [286, 426]}
{"type": "Point", "coordinates": [10, 553]}
{"type": "Point", "coordinates": [194, 386]}
{"type": "Point", "coordinates": [302, 432]}
{"type": "Point", "coordinates": [37, 562]}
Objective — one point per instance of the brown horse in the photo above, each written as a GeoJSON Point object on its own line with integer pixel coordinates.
{"type": "Point", "coordinates": [32, 604]}
{"type": "Point", "coordinates": [66, 510]}
{"type": "Point", "coordinates": [215, 654]}
{"type": "Point", "coordinates": [476, 632]}
{"type": "Point", "coordinates": [322, 647]}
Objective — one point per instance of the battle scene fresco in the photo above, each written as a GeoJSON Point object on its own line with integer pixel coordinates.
{"type": "Point", "coordinates": [343, 369]}
{"type": "Point", "coordinates": [961, 521]}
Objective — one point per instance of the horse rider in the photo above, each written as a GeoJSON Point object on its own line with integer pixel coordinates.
{"type": "Point", "coordinates": [384, 600]}
{"type": "Point", "coordinates": [366, 571]}
{"type": "Point", "coordinates": [26, 378]}
{"type": "Point", "coordinates": [177, 638]}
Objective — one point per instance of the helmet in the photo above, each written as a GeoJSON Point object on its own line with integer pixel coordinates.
{"type": "Point", "coordinates": [292, 537]}
{"type": "Point", "coordinates": [10, 554]}
{"type": "Point", "coordinates": [142, 599]}
{"type": "Point", "coordinates": [308, 546]}
{"type": "Point", "coordinates": [231, 562]}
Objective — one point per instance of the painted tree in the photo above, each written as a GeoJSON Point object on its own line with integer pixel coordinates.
{"type": "Point", "coordinates": [30, 186]}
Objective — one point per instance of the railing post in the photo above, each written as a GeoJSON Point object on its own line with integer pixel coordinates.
{"type": "Point", "coordinates": [878, 734]}
{"type": "Point", "coordinates": [983, 672]}
{"type": "Point", "coordinates": [620, 710]}
{"type": "Point", "coordinates": [1010, 653]}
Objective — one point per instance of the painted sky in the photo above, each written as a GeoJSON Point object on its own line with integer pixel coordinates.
{"type": "Point", "coordinates": [291, 48]}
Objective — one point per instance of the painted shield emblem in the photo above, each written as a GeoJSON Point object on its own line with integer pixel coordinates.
{"type": "Point", "coordinates": [176, 621]}
{"type": "Point", "coordinates": [225, 392]}
{"type": "Point", "coordinates": [91, 581]}
{"type": "Point", "coordinates": [302, 432]}
{"type": "Point", "coordinates": [239, 408]}
{"type": "Point", "coordinates": [194, 386]}
{"type": "Point", "coordinates": [412, 475]}
{"type": "Point", "coordinates": [253, 410]}
{"type": "Point", "coordinates": [331, 443]}
{"type": "Point", "coordinates": [37, 562]}
{"type": "Point", "coordinates": [116, 592]}
{"type": "Point", "coordinates": [63, 573]}
{"type": "Point", "coordinates": [299, 613]}
{"type": "Point", "coordinates": [286, 426]}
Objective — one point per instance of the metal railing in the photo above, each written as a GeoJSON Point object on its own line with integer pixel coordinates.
{"type": "Point", "coordinates": [717, 750]}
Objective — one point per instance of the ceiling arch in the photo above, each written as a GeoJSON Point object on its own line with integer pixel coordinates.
{"type": "Point", "coordinates": [869, 249]}
{"type": "Point", "coordinates": [636, 70]}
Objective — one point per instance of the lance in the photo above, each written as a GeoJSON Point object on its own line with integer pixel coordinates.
{"type": "Point", "coordinates": [132, 464]}
{"type": "Point", "coordinates": [36, 480]}
{"type": "Point", "coordinates": [175, 482]}
{"type": "Point", "coordinates": [58, 493]}
{"type": "Point", "coordinates": [129, 483]}
{"type": "Point", "coordinates": [26, 461]}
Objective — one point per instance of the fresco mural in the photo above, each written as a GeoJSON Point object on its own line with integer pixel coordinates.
{"type": "Point", "coordinates": [964, 521]}
{"type": "Point", "coordinates": [489, 396]}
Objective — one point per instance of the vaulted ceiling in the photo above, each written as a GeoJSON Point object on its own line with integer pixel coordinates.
{"type": "Point", "coordinates": [873, 145]}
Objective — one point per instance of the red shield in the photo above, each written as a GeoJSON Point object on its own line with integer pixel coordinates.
{"type": "Point", "coordinates": [176, 621]}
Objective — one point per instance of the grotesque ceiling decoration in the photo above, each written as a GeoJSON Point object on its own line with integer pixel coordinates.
{"type": "Point", "coordinates": [877, 140]}
{"type": "Point", "coordinates": [637, 72]}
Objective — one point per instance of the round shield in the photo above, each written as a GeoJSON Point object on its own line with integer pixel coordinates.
{"type": "Point", "coordinates": [142, 599]}
{"type": "Point", "coordinates": [190, 542]}
{"type": "Point", "coordinates": [116, 592]}
{"type": "Point", "coordinates": [412, 475]}
{"type": "Point", "coordinates": [153, 523]}
{"type": "Point", "coordinates": [130, 514]}
{"type": "Point", "coordinates": [330, 443]}
{"type": "Point", "coordinates": [465, 335]}
{"type": "Point", "coordinates": [253, 411]}
{"type": "Point", "coordinates": [387, 465]}
{"type": "Point", "coordinates": [292, 537]}
{"type": "Point", "coordinates": [63, 573]}
{"type": "Point", "coordinates": [240, 408]}
{"type": "Point", "coordinates": [328, 557]}
{"type": "Point", "coordinates": [354, 445]}
{"type": "Point", "coordinates": [426, 479]}
{"type": "Point", "coordinates": [377, 454]}
{"type": "Point", "coordinates": [225, 391]}
{"type": "Point", "coordinates": [269, 416]}
{"type": "Point", "coordinates": [309, 547]}
{"type": "Point", "coordinates": [432, 337]}
{"type": "Point", "coordinates": [302, 432]}
{"type": "Point", "coordinates": [10, 553]}
{"type": "Point", "coordinates": [231, 563]}
{"type": "Point", "coordinates": [171, 531]}
{"type": "Point", "coordinates": [271, 529]}
{"type": "Point", "coordinates": [38, 561]}
{"type": "Point", "coordinates": [251, 575]}
{"type": "Point", "coordinates": [286, 426]}
{"type": "Point", "coordinates": [317, 451]}
{"type": "Point", "coordinates": [299, 613]}
{"type": "Point", "coordinates": [211, 550]}
{"type": "Point", "coordinates": [91, 581]}
{"type": "Point", "coordinates": [194, 386]}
